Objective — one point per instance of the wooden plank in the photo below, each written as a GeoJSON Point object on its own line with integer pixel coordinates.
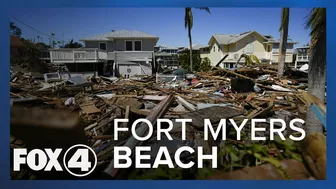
{"type": "Point", "coordinates": [142, 129]}
{"type": "Point", "coordinates": [311, 99]}
{"type": "Point", "coordinates": [249, 97]}
{"type": "Point", "coordinates": [89, 108]}
{"type": "Point", "coordinates": [134, 103]}
{"type": "Point", "coordinates": [186, 104]}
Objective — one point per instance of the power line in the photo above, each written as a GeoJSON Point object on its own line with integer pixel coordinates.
{"type": "Point", "coordinates": [35, 29]}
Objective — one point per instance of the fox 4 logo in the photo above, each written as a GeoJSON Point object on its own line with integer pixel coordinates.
{"type": "Point", "coordinates": [79, 160]}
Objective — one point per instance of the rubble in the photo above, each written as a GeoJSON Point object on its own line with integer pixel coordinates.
{"type": "Point", "coordinates": [244, 93]}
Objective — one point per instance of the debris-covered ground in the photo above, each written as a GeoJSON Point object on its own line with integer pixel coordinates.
{"type": "Point", "coordinates": [81, 110]}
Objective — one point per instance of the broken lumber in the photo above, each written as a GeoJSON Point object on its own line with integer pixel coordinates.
{"type": "Point", "coordinates": [162, 107]}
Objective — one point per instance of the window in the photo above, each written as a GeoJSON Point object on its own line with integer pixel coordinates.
{"type": "Point", "coordinates": [219, 48]}
{"type": "Point", "coordinates": [268, 48]}
{"type": "Point", "coordinates": [214, 49]}
{"type": "Point", "coordinates": [102, 46]}
{"type": "Point", "coordinates": [129, 46]}
{"type": "Point", "coordinates": [137, 45]}
{"type": "Point", "coordinates": [249, 48]}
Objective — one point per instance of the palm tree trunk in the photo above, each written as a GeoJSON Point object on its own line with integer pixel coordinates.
{"type": "Point", "coordinates": [283, 40]}
{"type": "Point", "coordinates": [190, 47]}
{"type": "Point", "coordinates": [316, 80]}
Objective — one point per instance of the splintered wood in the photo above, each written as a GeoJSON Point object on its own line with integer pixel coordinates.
{"type": "Point", "coordinates": [58, 114]}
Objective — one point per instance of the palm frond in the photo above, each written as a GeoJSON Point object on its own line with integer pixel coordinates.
{"type": "Point", "coordinates": [188, 18]}
{"type": "Point", "coordinates": [255, 59]}
{"type": "Point", "coordinates": [316, 21]}
{"type": "Point", "coordinates": [249, 60]}
{"type": "Point", "coordinates": [205, 8]}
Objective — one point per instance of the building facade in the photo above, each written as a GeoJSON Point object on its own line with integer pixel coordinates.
{"type": "Point", "coordinates": [232, 46]}
{"type": "Point", "coordinates": [119, 52]}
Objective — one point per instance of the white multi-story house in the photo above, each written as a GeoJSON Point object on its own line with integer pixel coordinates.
{"type": "Point", "coordinates": [302, 56]}
{"type": "Point", "coordinates": [266, 48]}
{"type": "Point", "coordinates": [122, 52]}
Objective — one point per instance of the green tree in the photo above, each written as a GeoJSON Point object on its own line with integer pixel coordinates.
{"type": "Point", "coordinates": [185, 58]}
{"type": "Point", "coordinates": [205, 65]}
{"type": "Point", "coordinates": [188, 24]}
{"type": "Point", "coordinates": [72, 44]}
{"type": "Point", "coordinates": [283, 40]}
{"type": "Point", "coordinates": [30, 58]}
{"type": "Point", "coordinates": [14, 30]}
{"type": "Point", "coordinates": [316, 22]}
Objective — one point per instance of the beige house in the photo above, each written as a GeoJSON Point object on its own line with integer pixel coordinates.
{"type": "Point", "coordinates": [266, 48]}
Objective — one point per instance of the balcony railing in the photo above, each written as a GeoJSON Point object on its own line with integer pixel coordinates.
{"type": "Point", "coordinates": [76, 55]}
{"type": "Point", "coordinates": [302, 58]}
{"type": "Point", "coordinates": [275, 51]}
{"type": "Point", "coordinates": [59, 56]}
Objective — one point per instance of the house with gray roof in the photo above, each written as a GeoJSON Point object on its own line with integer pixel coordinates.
{"type": "Point", "coordinates": [232, 46]}
{"type": "Point", "coordinates": [119, 52]}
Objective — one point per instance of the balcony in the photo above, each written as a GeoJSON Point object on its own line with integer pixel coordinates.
{"type": "Point", "coordinates": [85, 55]}
{"type": "Point", "coordinates": [59, 56]}
{"type": "Point", "coordinates": [276, 51]}
{"type": "Point", "coordinates": [302, 57]}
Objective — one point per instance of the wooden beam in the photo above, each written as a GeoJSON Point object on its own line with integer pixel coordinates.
{"type": "Point", "coordinates": [131, 143]}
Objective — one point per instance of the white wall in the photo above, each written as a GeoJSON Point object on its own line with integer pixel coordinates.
{"type": "Point", "coordinates": [215, 55]}
{"type": "Point", "coordinates": [133, 69]}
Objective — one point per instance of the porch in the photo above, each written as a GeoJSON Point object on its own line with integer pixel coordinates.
{"type": "Point", "coordinates": [118, 62]}
{"type": "Point", "coordinates": [96, 55]}
{"type": "Point", "coordinates": [60, 56]}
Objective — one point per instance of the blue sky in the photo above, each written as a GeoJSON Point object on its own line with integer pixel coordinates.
{"type": "Point", "coordinates": [167, 23]}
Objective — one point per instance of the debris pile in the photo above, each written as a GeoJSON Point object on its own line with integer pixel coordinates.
{"type": "Point", "coordinates": [88, 107]}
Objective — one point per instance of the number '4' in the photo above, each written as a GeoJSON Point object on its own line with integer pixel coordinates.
{"type": "Point", "coordinates": [84, 164]}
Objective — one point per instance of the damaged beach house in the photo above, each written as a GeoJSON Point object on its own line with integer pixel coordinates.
{"type": "Point", "coordinates": [226, 49]}
{"type": "Point", "coordinates": [116, 53]}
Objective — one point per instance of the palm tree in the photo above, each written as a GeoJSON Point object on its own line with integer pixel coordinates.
{"type": "Point", "coordinates": [316, 22]}
{"type": "Point", "coordinates": [188, 24]}
{"type": "Point", "coordinates": [52, 40]}
{"type": "Point", "coordinates": [14, 30]}
{"type": "Point", "coordinates": [72, 44]}
{"type": "Point", "coordinates": [283, 40]}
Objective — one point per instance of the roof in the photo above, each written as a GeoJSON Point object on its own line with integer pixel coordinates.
{"type": "Point", "coordinates": [119, 34]}
{"type": "Point", "coordinates": [198, 46]}
{"type": "Point", "coordinates": [15, 41]}
{"type": "Point", "coordinates": [167, 47]}
{"type": "Point", "coordinates": [163, 54]}
{"type": "Point", "coordinates": [225, 39]}
{"type": "Point", "coordinates": [195, 47]}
